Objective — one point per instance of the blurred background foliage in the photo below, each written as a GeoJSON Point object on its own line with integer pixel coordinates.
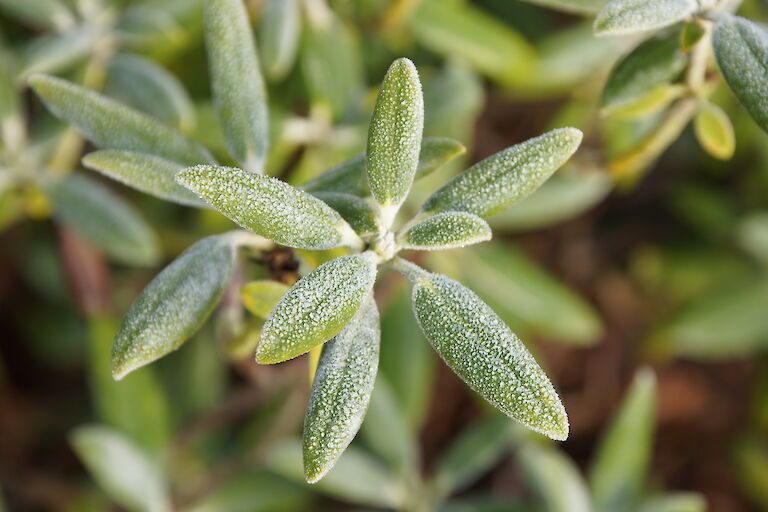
{"type": "Point", "coordinates": [645, 303]}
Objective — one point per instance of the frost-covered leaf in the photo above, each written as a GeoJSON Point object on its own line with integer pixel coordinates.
{"type": "Point", "coordinates": [628, 16]}
{"type": "Point", "coordinates": [394, 136]}
{"type": "Point", "coordinates": [104, 219]}
{"type": "Point", "coordinates": [655, 62]}
{"type": "Point", "coordinates": [238, 87]}
{"type": "Point", "coordinates": [146, 86]}
{"type": "Point", "coordinates": [151, 174]}
{"type": "Point", "coordinates": [52, 14]}
{"type": "Point", "coordinates": [446, 230]}
{"type": "Point", "coordinates": [359, 213]}
{"type": "Point", "coordinates": [500, 180]}
{"type": "Point", "coordinates": [484, 352]}
{"type": "Point", "coordinates": [56, 53]}
{"type": "Point", "coordinates": [261, 297]}
{"type": "Point", "coordinates": [111, 125]}
{"type": "Point", "coordinates": [317, 307]}
{"type": "Point", "coordinates": [714, 131]}
{"type": "Point", "coordinates": [555, 479]}
{"type": "Point", "coordinates": [126, 474]}
{"type": "Point", "coordinates": [349, 176]}
{"type": "Point", "coordinates": [174, 305]}
{"type": "Point", "coordinates": [741, 52]}
{"type": "Point", "coordinates": [620, 465]}
{"type": "Point", "coordinates": [279, 34]}
{"type": "Point", "coordinates": [341, 391]}
{"type": "Point", "coordinates": [270, 207]}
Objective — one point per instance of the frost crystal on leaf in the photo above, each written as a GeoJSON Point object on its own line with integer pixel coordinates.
{"type": "Point", "coordinates": [446, 230]}
{"type": "Point", "coordinates": [341, 391]}
{"type": "Point", "coordinates": [317, 307]}
{"type": "Point", "coordinates": [270, 207]}
{"type": "Point", "coordinates": [627, 16]}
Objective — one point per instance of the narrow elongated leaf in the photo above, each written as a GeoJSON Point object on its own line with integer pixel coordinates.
{"type": "Point", "coordinates": [317, 307]}
{"type": "Point", "coordinates": [238, 88]}
{"type": "Point", "coordinates": [741, 52]}
{"type": "Point", "coordinates": [484, 352]}
{"type": "Point", "coordinates": [56, 53]}
{"type": "Point", "coordinates": [628, 16]}
{"type": "Point", "coordinates": [270, 207]}
{"type": "Point", "coordinates": [261, 297]}
{"type": "Point", "coordinates": [394, 136]}
{"type": "Point", "coordinates": [111, 125]}
{"type": "Point", "coordinates": [492, 185]}
{"type": "Point", "coordinates": [151, 174]}
{"type": "Point", "coordinates": [341, 391]}
{"type": "Point", "coordinates": [12, 130]}
{"type": "Point", "coordinates": [655, 62]}
{"type": "Point", "coordinates": [146, 86]}
{"type": "Point", "coordinates": [349, 177]}
{"type": "Point", "coordinates": [40, 13]}
{"type": "Point", "coordinates": [174, 305]}
{"type": "Point", "coordinates": [675, 502]}
{"type": "Point", "coordinates": [121, 469]}
{"type": "Point", "coordinates": [256, 490]}
{"type": "Point", "coordinates": [112, 225]}
{"type": "Point", "coordinates": [359, 213]}
{"type": "Point", "coordinates": [555, 479]}
{"type": "Point", "coordinates": [714, 131]}
{"type": "Point", "coordinates": [279, 36]}
{"type": "Point", "coordinates": [574, 6]}
{"type": "Point", "coordinates": [619, 469]}
{"type": "Point", "coordinates": [446, 230]}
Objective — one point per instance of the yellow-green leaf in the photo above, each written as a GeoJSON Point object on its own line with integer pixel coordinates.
{"type": "Point", "coordinates": [714, 131]}
{"type": "Point", "coordinates": [261, 297]}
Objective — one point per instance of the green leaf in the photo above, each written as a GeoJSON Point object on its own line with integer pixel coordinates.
{"type": "Point", "coordinates": [144, 85]}
{"type": "Point", "coordinates": [174, 305]}
{"type": "Point", "coordinates": [655, 62]}
{"type": "Point", "coordinates": [359, 213]}
{"type": "Point", "coordinates": [675, 502]}
{"type": "Point", "coordinates": [279, 34]}
{"type": "Point", "coordinates": [620, 465]}
{"type": "Point", "coordinates": [12, 129]}
{"type": "Point", "coordinates": [121, 469]}
{"type": "Point", "coordinates": [255, 491]}
{"type": "Point", "coordinates": [555, 479]}
{"type": "Point", "coordinates": [628, 16]}
{"type": "Point", "coordinates": [446, 230]}
{"type": "Point", "coordinates": [270, 207]}
{"type": "Point", "coordinates": [341, 391]}
{"type": "Point", "coordinates": [111, 125]}
{"type": "Point", "coordinates": [691, 34]}
{"type": "Point", "coordinates": [714, 131]}
{"type": "Point", "coordinates": [238, 87]}
{"type": "Point", "coordinates": [500, 180]}
{"type": "Point", "coordinates": [317, 307]}
{"type": "Point", "coordinates": [484, 352]}
{"type": "Point", "coordinates": [151, 174]}
{"type": "Point", "coordinates": [56, 53]}
{"type": "Point", "coordinates": [573, 6]}
{"type": "Point", "coordinates": [261, 297]}
{"type": "Point", "coordinates": [394, 137]}
{"type": "Point", "coordinates": [104, 219]}
{"type": "Point", "coordinates": [741, 52]}
{"type": "Point", "coordinates": [52, 14]}
{"type": "Point", "coordinates": [350, 177]}
{"type": "Point", "coordinates": [474, 452]}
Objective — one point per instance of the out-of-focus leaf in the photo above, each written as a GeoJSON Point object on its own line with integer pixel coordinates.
{"type": "Point", "coordinates": [121, 469]}
{"type": "Point", "coordinates": [394, 137]}
{"type": "Point", "coordinates": [619, 468]}
{"type": "Point", "coordinates": [453, 98]}
{"type": "Point", "coordinates": [52, 14]}
{"type": "Point", "coordinates": [151, 174]}
{"type": "Point", "coordinates": [751, 461]}
{"type": "Point", "coordinates": [174, 305]}
{"type": "Point", "coordinates": [628, 16]}
{"type": "Point", "coordinates": [494, 184]}
{"type": "Point", "coordinates": [752, 233]}
{"type": "Point", "coordinates": [564, 196]}
{"type": "Point", "coordinates": [446, 230]}
{"type": "Point", "coordinates": [279, 34]}
{"type": "Point", "coordinates": [261, 297]}
{"type": "Point", "coordinates": [675, 502]}
{"type": "Point", "coordinates": [484, 352]}
{"type": "Point", "coordinates": [741, 52]}
{"type": "Point", "coordinates": [270, 207]}
{"type": "Point", "coordinates": [483, 503]}
{"type": "Point", "coordinates": [12, 130]}
{"type": "Point", "coordinates": [475, 451]}
{"type": "Point", "coordinates": [655, 62]}
{"type": "Point", "coordinates": [255, 491]}
{"type": "Point", "coordinates": [341, 391]}
{"type": "Point", "coordinates": [112, 225]}
{"type": "Point", "coordinates": [458, 29]}
{"type": "Point", "coordinates": [56, 53]}
{"type": "Point", "coordinates": [144, 85]}
{"type": "Point", "coordinates": [317, 307]}
{"type": "Point", "coordinates": [573, 6]}
{"type": "Point", "coordinates": [649, 103]}
{"type": "Point", "coordinates": [359, 213]}
{"type": "Point", "coordinates": [714, 131]}
{"type": "Point", "coordinates": [357, 477]}
{"type": "Point", "coordinates": [238, 87]}
{"type": "Point", "coordinates": [691, 34]}
{"type": "Point", "coordinates": [555, 479]}
{"type": "Point", "coordinates": [111, 125]}
{"type": "Point", "coordinates": [349, 177]}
